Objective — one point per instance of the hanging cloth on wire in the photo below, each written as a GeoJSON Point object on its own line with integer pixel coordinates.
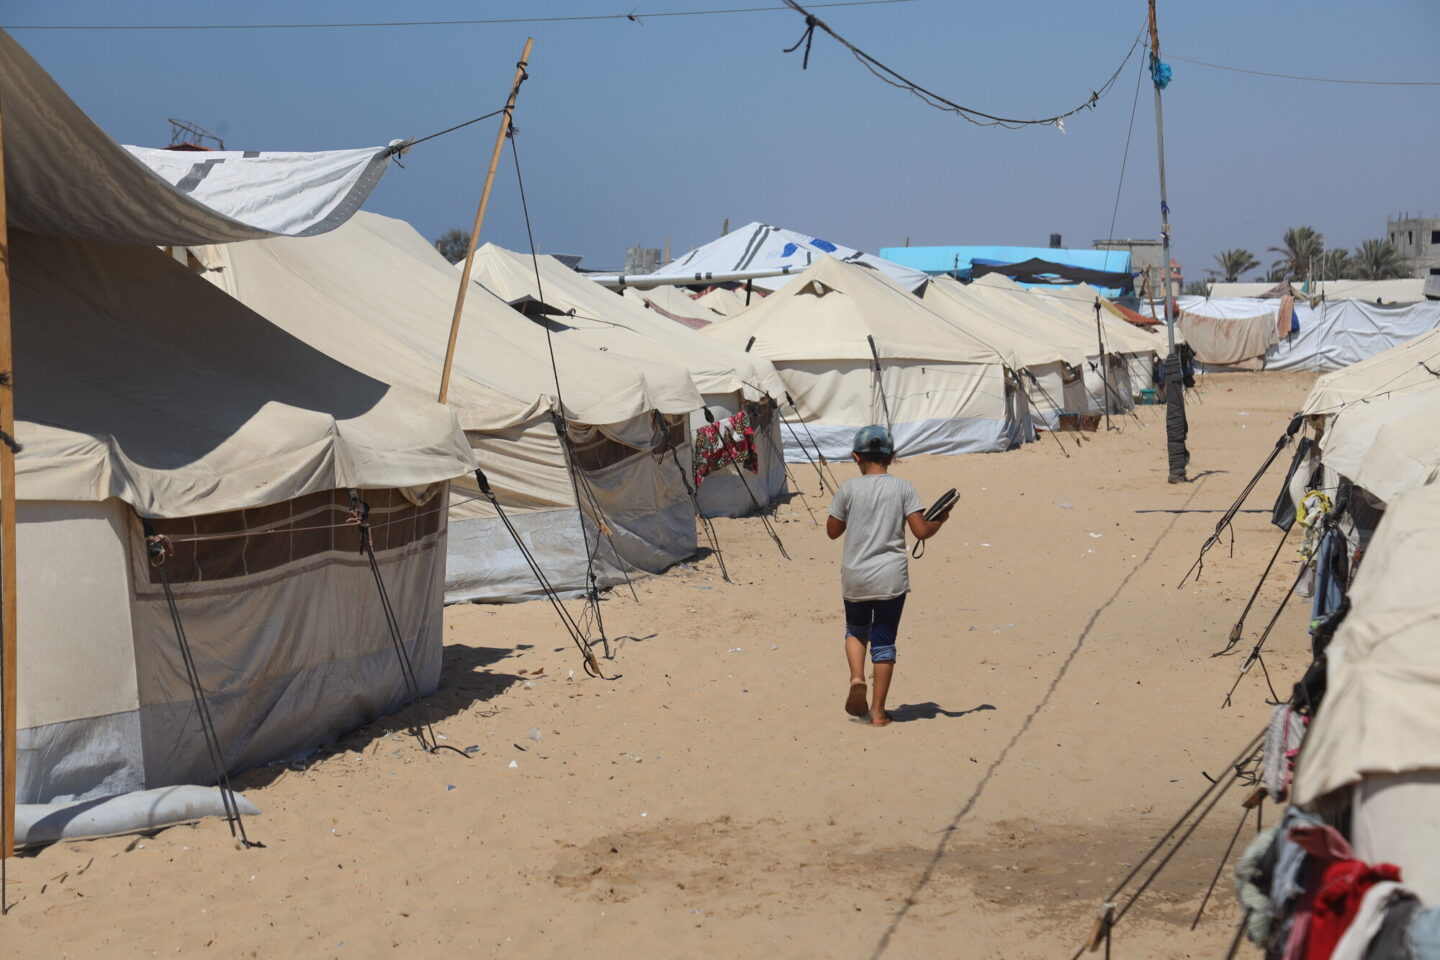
{"type": "Point", "coordinates": [731, 440]}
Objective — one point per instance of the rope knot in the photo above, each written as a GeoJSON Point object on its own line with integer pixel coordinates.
{"type": "Point", "coordinates": [807, 38]}
{"type": "Point", "coordinates": [160, 549]}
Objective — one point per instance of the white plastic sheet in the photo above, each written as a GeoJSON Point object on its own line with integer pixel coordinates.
{"type": "Point", "coordinates": [65, 176]}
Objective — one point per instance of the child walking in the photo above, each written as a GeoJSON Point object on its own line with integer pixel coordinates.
{"type": "Point", "coordinates": [871, 511]}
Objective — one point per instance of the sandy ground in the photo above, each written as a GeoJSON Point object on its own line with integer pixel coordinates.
{"type": "Point", "coordinates": [1058, 704]}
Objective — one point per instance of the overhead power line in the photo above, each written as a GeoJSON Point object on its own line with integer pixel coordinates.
{"type": "Point", "coordinates": [633, 16]}
{"type": "Point", "coordinates": [1287, 76]}
{"type": "Point", "coordinates": [930, 97]}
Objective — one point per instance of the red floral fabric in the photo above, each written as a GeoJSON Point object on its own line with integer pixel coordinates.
{"type": "Point", "coordinates": [719, 444]}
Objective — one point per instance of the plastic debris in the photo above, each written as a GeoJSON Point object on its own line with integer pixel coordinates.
{"type": "Point", "coordinates": [535, 735]}
{"type": "Point", "coordinates": [1067, 506]}
{"type": "Point", "coordinates": [513, 764]}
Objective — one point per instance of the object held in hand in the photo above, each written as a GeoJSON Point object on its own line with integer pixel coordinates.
{"type": "Point", "coordinates": [936, 510]}
{"type": "Point", "coordinates": [946, 501]}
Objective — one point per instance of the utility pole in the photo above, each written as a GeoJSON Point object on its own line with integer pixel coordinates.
{"type": "Point", "coordinates": [1177, 428]}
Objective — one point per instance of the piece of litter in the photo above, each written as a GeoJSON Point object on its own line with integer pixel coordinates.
{"type": "Point", "coordinates": [733, 650]}
{"type": "Point", "coordinates": [984, 544]}
{"type": "Point", "coordinates": [646, 814]}
{"type": "Point", "coordinates": [473, 748]}
{"type": "Point", "coordinates": [449, 787]}
{"type": "Point", "coordinates": [1096, 536]}
{"type": "Point", "coordinates": [1067, 506]}
{"type": "Point", "coordinates": [513, 764]}
{"type": "Point", "coordinates": [774, 646]}
{"type": "Point", "coordinates": [535, 735]}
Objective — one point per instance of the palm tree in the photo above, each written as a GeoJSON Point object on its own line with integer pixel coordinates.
{"type": "Point", "coordinates": [1335, 265]}
{"type": "Point", "coordinates": [1303, 246]}
{"type": "Point", "coordinates": [1379, 260]}
{"type": "Point", "coordinates": [1233, 263]}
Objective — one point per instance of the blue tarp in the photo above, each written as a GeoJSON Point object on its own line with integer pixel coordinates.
{"type": "Point", "coordinates": [937, 260]}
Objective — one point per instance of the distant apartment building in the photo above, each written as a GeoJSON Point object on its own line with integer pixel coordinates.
{"type": "Point", "coordinates": [1145, 259]}
{"type": "Point", "coordinates": [1418, 240]}
{"type": "Point", "coordinates": [642, 260]}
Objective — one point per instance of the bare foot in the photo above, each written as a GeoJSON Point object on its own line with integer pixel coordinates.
{"type": "Point", "coordinates": [884, 720]}
{"type": "Point", "coordinates": [855, 704]}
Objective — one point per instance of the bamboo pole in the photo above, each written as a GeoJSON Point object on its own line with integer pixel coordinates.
{"type": "Point", "coordinates": [7, 539]}
{"type": "Point", "coordinates": [505, 123]}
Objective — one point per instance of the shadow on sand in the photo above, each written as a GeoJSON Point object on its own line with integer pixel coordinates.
{"type": "Point", "coordinates": [930, 710]}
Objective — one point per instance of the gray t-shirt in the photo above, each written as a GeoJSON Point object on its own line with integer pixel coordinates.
{"type": "Point", "coordinates": [873, 509]}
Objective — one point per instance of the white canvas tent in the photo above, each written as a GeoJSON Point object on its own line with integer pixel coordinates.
{"type": "Point", "coordinates": [597, 318]}
{"type": "Point", "coordinates": [1136, 349]}
{"type": "Point", "coordinates": [1017, 306]}
{"type": "Point", "coordinates": [1388, 444]}
{"type": "Point", "coordinates": [725, 302]}
{"type": "Point", "coordinates": [149, 401]}
{"type": "Point", "coordinates": [1394, 371]}
{"type": "Point", "coordinates": [376, 295]}
{"type": "Point", "coordinates": [1052, 360]}
{"type": "Point", "coordinates": [940, 389]}
{"type": "Point", "coordinates": [1378, 729]}
{"type": "Point", "coordinates": [676, 304]}
{"type": "Point", "coordinates": [762, 248]}
{"type": "Point", "coordinates": [149, 394]}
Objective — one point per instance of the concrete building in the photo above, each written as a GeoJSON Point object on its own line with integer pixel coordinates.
{"type": "Point", "coordinates": [1145, 260]}
{"type": "Point", "coordinates": [1418, 240]}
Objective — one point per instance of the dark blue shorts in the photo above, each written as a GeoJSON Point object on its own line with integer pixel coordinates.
{"type": "Point", "coordinates": [875, 622]}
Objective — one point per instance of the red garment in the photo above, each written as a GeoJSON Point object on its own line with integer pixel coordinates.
{"type": "Point", "coordinates": [1341, 887]}
{"type": "Point", "coordinates": [1324, 845]}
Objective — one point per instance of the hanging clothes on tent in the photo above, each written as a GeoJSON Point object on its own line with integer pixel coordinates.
{"type": "Point", "coordinates": [719, 444]}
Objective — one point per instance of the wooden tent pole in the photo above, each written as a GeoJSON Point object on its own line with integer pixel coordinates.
{"type": "Point", "coordinates": [505, 121]}
{"type": "Point", "coordinates": [7, 538]}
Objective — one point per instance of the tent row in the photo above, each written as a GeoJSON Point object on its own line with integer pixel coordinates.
{"type": "Point", "coordinates": [1355, 751]}
{"type": "Point", "coordinates": [227, 418]}
{"type": "Point", "coordinates": [241, 507]}
{"type": "Point", "coordinates": [950, 367]}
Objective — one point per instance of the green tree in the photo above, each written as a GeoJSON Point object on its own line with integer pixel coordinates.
{"type": "Point", "coordinates": [1335, 265]}
{"type": "Point", "coordinates": [1233, 263]}
{"type": "Point", "coordinates": [1379, 260]}
{"type": "Point", "coordinates": [453, 245]}
{"type": "Point", "coordinates": [1302, 246]}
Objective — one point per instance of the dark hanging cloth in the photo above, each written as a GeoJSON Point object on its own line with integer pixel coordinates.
{"type": "Point", "coordinates": [1392, 941]}
{"type": "Point", "coordinates": [1039, 271]}
{"type": "Point", "coordinates": [1283, 515]}
{"type": "Point", "coordinates": [1332, 574]}
{"type": "Point", "coordinates": [1177, 428]}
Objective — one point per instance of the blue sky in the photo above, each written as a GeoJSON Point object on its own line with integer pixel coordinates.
{"type": "Point", "coordinates": [641, 133]}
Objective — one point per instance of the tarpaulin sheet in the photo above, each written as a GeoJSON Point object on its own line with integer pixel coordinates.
{"type": "Point", "coordinates": [66, 176]}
